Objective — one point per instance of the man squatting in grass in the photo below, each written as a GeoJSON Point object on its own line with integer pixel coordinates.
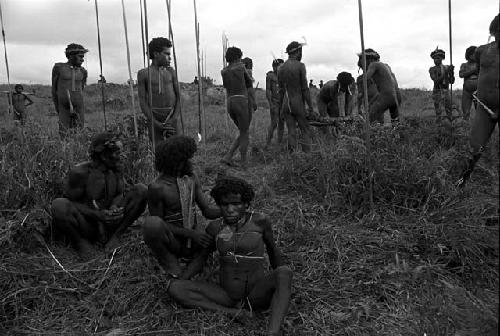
{"type": "Point", "coordinates": [68, 81]}
{"type": "Point", "coordinates": [98, 205]}
{"type": "Point", "coordinates": [486, 117]}
{"type": "Point", "coordinates": [328, 97]}
{"type": "Point", "coordinates": [273, 97]}
{"type": "Point", "coordinates": [442, 76]}
{"type": "Point", "coordinates": [19, 102]}
{"type": "Point", "coordinates": [163, 109]}
{"type": "Point", "coordinates": [240, 103]}
{"type": "Point", "coordinates": [469, 71]}
{"type": "Point", "coordinates": [170, 231]}
{"type": "Point", "coordinates": [239, 238]}
{"type": "Point", "coordinates": [294, 92]}
{"type": "Point", "coordinates": [388, 97]}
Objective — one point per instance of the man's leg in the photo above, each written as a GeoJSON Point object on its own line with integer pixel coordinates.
{"type": "Point", "coordinates": [394, 112]}
{"type": "Point", "coordinates": [276, 289]}
{"type": "Point", "coordinates": [70, 222]}
{"type": "Point", "coordinates": [436, 98]}
{"type": "Point", "coordinates": [205, 295]}
{"type": "Point", "coordinates": [274, 112]}
{"type": "Point", "coordinates": [64, 120]}
{"type": "Point", "coordinates": [447, 103]}
{"type": "Point", "coordinates": [163, 243]}
{"type": "Point", "coordinates": [291, 125]}
{"type": "Point", "coordinates": [305, 130]}
{"type": "Point", "coordinates": [238, 110]}
{"type": "Point", "coordinates": [377, 110]}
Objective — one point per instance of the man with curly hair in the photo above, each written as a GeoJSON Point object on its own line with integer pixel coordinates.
{"type": "Point", "coordinates": [160, 103]}
{"type": "Point", "coordinates": [469, 71]}
{"type": "Point", "coordinates": [294, 94]}
{"type": "Point", "coordinates": [273, 97]}
{"type": "Point", "coordinates": [19, 102]}
{"type": "Point", "coordinates": [68, 81]}
{"type": "Point", "coordinates": [442, 76]}
{"type": "Point", "coordinates": [486, 118]}
{"type": "Point", "coordinates": [240, 238]}
{"type": "Point", "coordinates": [98, 206]}
{"type": "Point", "coordinates": [240, 103]}
{"type": "Point", "coordinates": [328, 97]}
{"type": "Point", "coordinates": [388, 97]}
{"type": "Point", "coordinates": [171, 231]}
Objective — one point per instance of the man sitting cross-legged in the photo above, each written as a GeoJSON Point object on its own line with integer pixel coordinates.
{"type": "Point", "coordinates": [240, 238]}
{"type": "Point", "coordinates": [170, 231]}
{"type": "Point", "coordinates": [98, 206]}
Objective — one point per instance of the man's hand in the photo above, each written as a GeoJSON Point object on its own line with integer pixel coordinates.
{"type": "Point", "coordinates": [111, 216]}
{"type": "Point", "coordinates": [202, 239]}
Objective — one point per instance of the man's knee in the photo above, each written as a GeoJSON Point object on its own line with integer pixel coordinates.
{"type": "Point", "coordinates": [152, 227]}
{"type": "Point", "coordinates": [139, 192]}
{"type": "Point", "coordinates": [284, 273]}
{"type": "Point", "coordinates": [61, 208]}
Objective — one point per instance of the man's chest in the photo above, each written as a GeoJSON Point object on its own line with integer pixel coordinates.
{"type": "Point", "coordinates": [161, 81]}
{"type": "Point", "coordinates": [71, 73]}
{"type": "Point", "coordinates": [103, 185]}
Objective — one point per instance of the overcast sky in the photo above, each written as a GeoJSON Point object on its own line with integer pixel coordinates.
{"type": "Point", "coordinates": [404, 32]}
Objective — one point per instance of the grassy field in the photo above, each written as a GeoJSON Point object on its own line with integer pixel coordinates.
{"type": "Point", "coordinates": [424, 262]}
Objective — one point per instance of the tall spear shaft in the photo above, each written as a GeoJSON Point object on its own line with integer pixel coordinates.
{"type": "Point", "coordinates": [142, 35]}
{"type": "Point", "coordinates": [201, 112]}
{"type": "Point", "coordinates": [9, 95]}
{"type": "Point", "coordinates": [131, 81]}
{"type": "Point", "coordinates": [100, 65]}
{"type": "Point", "coordinates": [451, 48]}
{"type": "Point", "coordinates": [150, 89]}
{"type": "Point", "coordinates": [171, 36]}
{"type": "Point", "coordinates": [365, 101]}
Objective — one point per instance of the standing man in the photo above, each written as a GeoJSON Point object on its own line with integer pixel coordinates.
{"type": "Point", "coordinates": [486, 118]}
{"type": "Point", "coordinates": [98, 206]}
{"type": "Point", "coordinates": [240, 102]}
{"type": "Point", "coordinates": [469, 71]}
{"type": "Point", "coordinates": [68, 81]}
{"type": "Point", "coordinates": [273, 97]}
{"type": "Point", "coordinates": [19, 102]}
{"type": "Point", "coordinates": [387, 86]}
{"type": "Point", "coordinates": [442, 76]}
{"type": "Point", "coordinates": [328, 97]}
{"type": "Point", "coordinates": [160, 102]}
{"type": "Point", "coordinates": [294, 92]}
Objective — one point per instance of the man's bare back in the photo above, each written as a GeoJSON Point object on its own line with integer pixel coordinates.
{"type": "Point", "coordinates": [236, 79]}
{"type": "Point", "coordinates": [487, 87]}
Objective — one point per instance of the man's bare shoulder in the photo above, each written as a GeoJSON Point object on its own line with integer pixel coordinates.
{"type": "Point", "coordinates": [213, 227]}
{"type": "Point", "coordinates": [142, 73]}
{"type": "Point", "coordinates": [80, 170]}
{"type": "Point", "coordinates": [261, 220]}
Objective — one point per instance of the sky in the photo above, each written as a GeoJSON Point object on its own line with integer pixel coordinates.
{"type": "Point", "coordinates": [403, 32]}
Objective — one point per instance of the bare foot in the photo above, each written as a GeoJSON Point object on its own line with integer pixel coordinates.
{"type": "Point", "coordinates": [112, 244]}
{"type": "Point", "coordinates": [85, 250]}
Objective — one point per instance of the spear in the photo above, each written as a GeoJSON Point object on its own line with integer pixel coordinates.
{"type": "Point", "coordinates": [100, 64]}
{"type": "Point", "coordinates": [225, 43]}
{"type": "Point", "coordinates": [365, 101]}
{"type": "Point", "coordinates": [451, 50]}
{"type": "Point", "coordinates": [150, 89]}
{"type": "Point", "coordinates": [202, 126]}
{"type": "Point", "coordinates": [131, 81]}
{"type": "Point", "coordinates": [142, 35]}
{"type": "Point", "coordinates": [171, 36]}
{"type": "Point", "coordinates": [9, 95]}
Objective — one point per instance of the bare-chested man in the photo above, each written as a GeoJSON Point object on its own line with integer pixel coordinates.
{"type": "Point", "coordinates": [469, 71]}
{"type": "Point", "coordinates": [160, 105]}
{"type": "Point", "coordinates": [68, 81]}
{"type": "Point", "coordinates": [170, 231]}
{"type": "Point", "coordinates": [294, 92]}
{"type": "Point", "coordinates": [486, 118]}
{"type": "Point", "coordinates": [442, 76]}
{"type": "Point", "coordinates": [240, 103]}
{"type": "Point", "coordinates": [372, 93]}
{"type": "Point", "coordinates": [19, 102]}
{"type": "Point", "coordinates": [328, 97]}
{"type": "Point", "coordinates": [273, 97]}
{"type": "Point", "coordinates": [241, 238]}
{"type": "Point", "coordinates": [388, 97]}
{"type": "Point", "coordinates": [98, 205]}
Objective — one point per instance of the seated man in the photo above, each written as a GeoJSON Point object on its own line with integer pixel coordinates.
{"type": "Point", "coordinates": [98, 206]}
{"type": "Point", "coordinates": [239, 238]}
{"type": "Point", "coordinates": [170, 231]}
{"type": "Point", "coordinates": [328, 96]}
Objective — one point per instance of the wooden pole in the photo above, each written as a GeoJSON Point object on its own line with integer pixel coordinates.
{"type": "Point", "coordinates": [451, 50]}
{"type": "Point", "coordinates": [171, 36]}
{"type": "Point", "coordinates": [150, 89]}
{"type": "Point", "coordinates": [202, 125]}
{"type": "Point", "coordinates": [100, 66]}
{"type": "Point", "coordinates": [142, 35]}
{"type": "Point", "coordinates": [9, 94]}
{"type": "Point", "coordinates": [224, 64]}
{"type": "Point", "coordinates": [131, 81]}
{"type": "Point", "coordinates": [365, 101]}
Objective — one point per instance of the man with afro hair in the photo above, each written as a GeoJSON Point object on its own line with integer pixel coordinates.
{"type": "Point", "coordinates": [240, 238]}
{"type": "Point", "coordinates": [240, 103]}
{"type": "Point", "coordinates": [160, 103]}
{"type": "Point", "coordinates": [273, 97]}
{"type": "Point", "coordinates": [469, 71]}
{"type": "Point", "coordinates": [327, 99]}
{"type": "Point", "coordinates": [388, 97]}
{"type": "Point", "coordinates": [68, 81]}
{"type": "Point", "coordinates": [486, 118]}
{"type": "Point", "coordinates": [98, 206]}
{"type": "Point", "coordinates": [171, 230]}
{"type": "Point", "coordinates": [442, 76]}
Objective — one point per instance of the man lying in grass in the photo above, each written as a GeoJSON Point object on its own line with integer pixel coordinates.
{"type": "Point", "coordinates": [240, 238]}
{"type": "Point", "coordinates": [170, 231]}
{"type": "Point", "coordinates": [98, 206]}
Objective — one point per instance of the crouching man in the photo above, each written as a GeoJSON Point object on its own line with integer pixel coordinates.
{"type": "Point", "coordinates": [241, 237]}
{"type": "Point", "coordinates": [98, 206]}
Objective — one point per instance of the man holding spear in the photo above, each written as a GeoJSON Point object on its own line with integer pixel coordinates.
{"type": "Point", "coordinates": [160, 102]}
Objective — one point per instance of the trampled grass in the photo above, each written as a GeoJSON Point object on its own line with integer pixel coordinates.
{"type": "Point", "coordinates": [424, 262]}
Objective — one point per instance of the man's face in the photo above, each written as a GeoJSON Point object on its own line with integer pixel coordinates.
{"type": "Point", "coordinates": [164, 57]}
{"type": "Point", "coordinates": [232, 208]}
{"type": "Point", "coordinates": [19, 89]}
{"type": "Point", "coordinates": [77, 59]}
{"type": "Point", "coordinates": [438, 61]}
{"type": "Point", "coordinates": [112, 158]}
{"type": "Point", "coordinates": [299, 54]}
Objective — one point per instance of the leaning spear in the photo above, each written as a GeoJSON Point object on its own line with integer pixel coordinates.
{"type": "Point", "coordinates": [201, 112]}
{"type": "Point", "coordinates": [103, 81]}
{"type": "Point", "coordinates": [9, 95]}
